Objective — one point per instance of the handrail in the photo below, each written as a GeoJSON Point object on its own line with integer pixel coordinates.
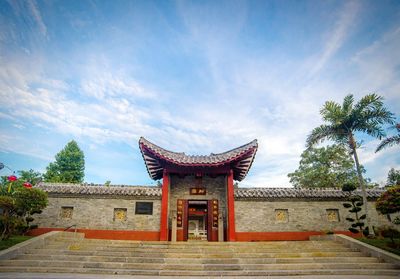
{"type": "Point", "coordinates": [75, 246]}
{"type": "Point", "coordinates": [74, 225]}
{"type": "Point", "coordinates": [67, 228]}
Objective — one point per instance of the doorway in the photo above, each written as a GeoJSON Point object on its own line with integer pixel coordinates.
{"type": "Point", "coordinates": [197, 220]}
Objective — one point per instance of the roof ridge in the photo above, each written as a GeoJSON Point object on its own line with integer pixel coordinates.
{"type": "Point", "coordinates": [157, 159]}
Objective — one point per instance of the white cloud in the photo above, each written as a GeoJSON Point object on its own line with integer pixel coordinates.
{"type": "Point", "coordinates": [337, 37]}
{"type": "Point", "coordinates": [250, 96]}
{"type": "Point", "coordinates": [108, 85]}
{"type": "Point", "coordinates": [37, 16]}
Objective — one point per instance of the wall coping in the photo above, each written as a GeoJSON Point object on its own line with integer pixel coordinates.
{"type": "Point", "coordinates": [364, 248]}
{"type": "Point", "coordinates": [36, 242]}
{"type": "Point", "coordinates": [154, 192]}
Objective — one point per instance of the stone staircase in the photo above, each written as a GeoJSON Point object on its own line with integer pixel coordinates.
{"type": "Point", "coordinates": [285, 258]}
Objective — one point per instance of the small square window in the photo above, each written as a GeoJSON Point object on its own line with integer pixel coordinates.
{"type": "Point", "coordinates": [144, 208]}
{"type": "Point", "coordinates": [120, 214]}
{"type": "Point", "coordinates": [281, 215]}
{"type": "Point", "coordinates": [332, 215]}
{"type": "Point", "coordinates": [66, 212]}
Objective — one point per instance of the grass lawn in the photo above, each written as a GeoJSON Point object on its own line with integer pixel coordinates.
{"type": "Point", "coordinates": [383, 243]}
{"type": "Point", "coordinates": [4, 244]}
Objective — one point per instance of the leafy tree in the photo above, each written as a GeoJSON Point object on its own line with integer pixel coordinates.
{"type": "Point", "coordinates": [343, 121]}
{"type": "Point", "coordinates": [389, 201]}
{"type": "Point", "coordinates": [69, 166]}
{"type": "Point", "coordinates": [390, 141]}
{"type": "Point", "coordinates": [330, 166]}
{"type": "Point", "coordinates": [31, 176]}
{"type": "Point", "coordinates": [18, 203]}
{"type": "Point", "coordinates": [393, 178]}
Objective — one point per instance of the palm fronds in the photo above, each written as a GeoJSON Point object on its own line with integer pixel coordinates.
{"type": "Point", "coordinates": [390, 141]}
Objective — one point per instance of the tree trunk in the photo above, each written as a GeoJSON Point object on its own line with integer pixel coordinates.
{"type": "Point", "coordinates": [353, 147]}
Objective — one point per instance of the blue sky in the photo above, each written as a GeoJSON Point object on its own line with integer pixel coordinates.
{"type": "Point", "coordinates": [191, 76]}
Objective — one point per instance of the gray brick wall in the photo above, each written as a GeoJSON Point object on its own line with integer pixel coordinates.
{"type": "Point", "coordinates": [260, 216]}
{"type": "Point", "coordinates": [98, 213]}
{"type": "Point", "coordinates": [179, 189]}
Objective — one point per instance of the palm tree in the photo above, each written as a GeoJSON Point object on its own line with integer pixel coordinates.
{"type": "Point", "coordinates": [366, 116]}
{"type": "Point", "coordinates": [389, 141]}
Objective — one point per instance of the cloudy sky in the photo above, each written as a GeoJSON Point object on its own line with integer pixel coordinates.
{"type": "Point", "coordinates": [191, 76]}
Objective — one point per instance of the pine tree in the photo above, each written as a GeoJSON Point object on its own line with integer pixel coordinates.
{"type": "Point", "coordinates": [68, 167]}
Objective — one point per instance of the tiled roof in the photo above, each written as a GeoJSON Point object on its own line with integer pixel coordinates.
{"type": "Point", "coordinates": [98, 189]}
{"type": "Point", "coordinates": [298, 193]}
{"type": "Point", "coordinates": [240, 194]}
{"type": "Point", "coordinates": [157, 158]}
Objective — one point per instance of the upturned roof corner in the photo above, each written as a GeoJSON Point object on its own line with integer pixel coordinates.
{"type": "Point", "coordinates": [239, 160]}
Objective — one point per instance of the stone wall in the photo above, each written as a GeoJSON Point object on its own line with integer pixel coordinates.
{"type": "Point", "coordinates": [296, 215]}
{"type": "Point", "coordinates": [215, 189]}
{"type": "Point", "coordinates": [101, 213]}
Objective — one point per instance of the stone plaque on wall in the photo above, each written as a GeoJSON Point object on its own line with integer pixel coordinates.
{"type": "Point", "coordinates": [198, 191]}
{"type": "Point", "coordinates": [120, 214]}
{"type": "Point", "coordinates": [215, 213]}
{"type": "Point", "coordinates": [332, 215]}
{"type": "Point", "coordinates": [179, 213]}
{"type": "Point", "coordinates": [281, 215]}
{"type": "Point", "coordinates": [66, 212]}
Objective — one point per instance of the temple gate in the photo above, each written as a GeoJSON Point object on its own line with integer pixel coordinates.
{"type": "Point", "coordinates": [197, 190]}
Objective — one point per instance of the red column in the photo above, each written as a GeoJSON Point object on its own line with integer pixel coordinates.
{"type": "Point", "coordinates": [164, 208]}
{"type": "Point", "coordinates": [231, 208]}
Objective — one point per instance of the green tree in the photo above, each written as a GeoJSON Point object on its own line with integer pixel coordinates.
{"type": "Point", "coordinates": [17, 207]}
{"type": "Point", "coordinates": [389, 201]}
{"type": "Point", "coordinates": [68, 167]}
{"type": "Point", "coordinates": [330, 166]}
{"type": "Point", "coordinates": [354, 204]}
{"type": "Point", "coordinates": [390, 141]}
{"type": "Point", "coordinates": [393, 177]}
{"type": "Point", "coordinates": [31, 176]}
{"type": "Point", "coordinates": [343, 121]}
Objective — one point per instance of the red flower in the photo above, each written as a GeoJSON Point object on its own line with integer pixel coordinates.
{"type": "Point", "coordinates": [27, 185]}
{"type": "Point", "coordinates": [12, 178]}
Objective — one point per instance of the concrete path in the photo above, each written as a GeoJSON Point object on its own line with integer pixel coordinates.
{"type": "Point", "coordinates": [11, 275]}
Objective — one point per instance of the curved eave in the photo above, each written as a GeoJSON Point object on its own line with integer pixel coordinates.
{"type": "Point", "coordinates": [156, 159]}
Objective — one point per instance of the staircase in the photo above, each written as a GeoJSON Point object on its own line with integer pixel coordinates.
{"type": "Point", "coordinates": [276, 258]}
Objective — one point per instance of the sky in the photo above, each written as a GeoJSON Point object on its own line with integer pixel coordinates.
{"type": "Point", "coordinates": [190, 76]}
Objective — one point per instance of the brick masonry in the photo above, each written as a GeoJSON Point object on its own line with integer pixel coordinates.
{"type": "Point", "coordinates": [256, 210]}
{"type": "Point", "coordinates": [266, 216]}
{"type": "Point", "coordinates": [98, 213]}
{"type": "Point", "coordinates": [180, 189]}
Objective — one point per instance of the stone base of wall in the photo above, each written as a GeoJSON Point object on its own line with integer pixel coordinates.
{"type": "Point", "coordinates": [155, 236]}
{"type": "Point", "coordinates": [106, 234]}
{"type": "Point", "coordinates": [273, 236]}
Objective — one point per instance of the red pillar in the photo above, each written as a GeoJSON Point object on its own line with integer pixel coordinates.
{"type": "Point", "coordinates": [231, 208]}
{"type": "Point", "coordinates": [164, 208]}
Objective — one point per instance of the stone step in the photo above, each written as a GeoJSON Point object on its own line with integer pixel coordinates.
{"type": "Point", "coordinates": [277, 254]}
{"type": "Point", "coordinates": [236, 260]}
{"type": "Point", "coordinates": [193, 250]}
{"type": "Point", "coordinates": [191, 266]}
{"type": "Point", "coordinates": [280, 258]}
{"type": "Point", "coordinates": [197, 249]}
{"type": "Point", "coordinates": [185, 245]}
{"type": "Point", "coordinates": [203, 245]}
{"type": "Point", "coordinates": [376, 272]}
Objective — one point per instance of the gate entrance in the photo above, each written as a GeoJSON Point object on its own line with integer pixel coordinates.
{"type": "Point", "coordinates": [197, 220]}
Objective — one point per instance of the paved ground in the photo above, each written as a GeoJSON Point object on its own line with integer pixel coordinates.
{"type": "Point", "coordinates": [10, 275]}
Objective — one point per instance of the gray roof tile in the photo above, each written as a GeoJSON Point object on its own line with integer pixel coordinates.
{"type": "Point", "coordinates": [99, 189]}
{"type": "Point", "coordinates": [155, 157]}
{"type": "Point", "coordinates": [301, 193]}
